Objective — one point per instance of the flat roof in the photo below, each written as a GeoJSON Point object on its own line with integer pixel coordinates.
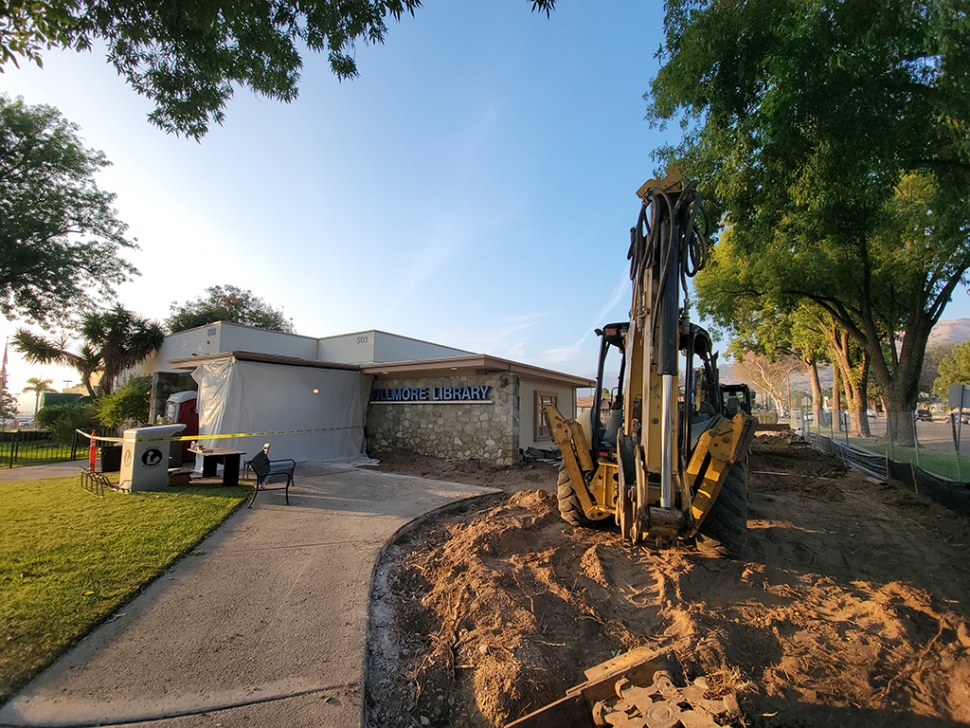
{"type": "Point", "coordinates": [396, 336]}
{"type": "Point", "coordinates": [481, 363]}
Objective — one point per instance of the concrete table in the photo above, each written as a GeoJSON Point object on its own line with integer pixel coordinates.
{"type": "Point", "coordinates": [212, 456]}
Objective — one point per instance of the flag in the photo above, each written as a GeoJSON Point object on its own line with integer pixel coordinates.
{"type": "Point", "coordinates": [3, 372]}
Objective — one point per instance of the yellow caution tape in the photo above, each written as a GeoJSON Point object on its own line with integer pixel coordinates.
{"type": "Point", "coordinates": [199, 438]}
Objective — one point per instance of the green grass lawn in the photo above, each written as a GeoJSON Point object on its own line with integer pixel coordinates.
{"type": "Point", "coordinates": [68, 559]}
{"type": "Point", "coordinates": [932, 461]}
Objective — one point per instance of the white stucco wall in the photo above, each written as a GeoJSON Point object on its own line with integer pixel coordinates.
{"type": "Point", "coordinates": [234, 337]}
{"type": "Point", "coordinates": [380, 347]}
{"type": "Point", "coordinates": [222, 337]}
{"type": "Point", "coordinates": [391, 348]}
{"type": "Point", "coordinates": [356, 348]}
{"type": "Point", "coordinates": [200, 341]}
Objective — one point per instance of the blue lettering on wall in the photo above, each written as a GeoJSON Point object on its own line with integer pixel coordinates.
{"type": "Point", "coordinates": [433, 394]}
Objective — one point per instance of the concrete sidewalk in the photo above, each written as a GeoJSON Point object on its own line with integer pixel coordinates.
{"type": "Point", "coordinates": [40, 472]}
{"type": "Point", "coordinates": [264, 625]}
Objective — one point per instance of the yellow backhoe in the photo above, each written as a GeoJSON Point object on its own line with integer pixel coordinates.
{"type": "Point", "coordinates": [668, 461]}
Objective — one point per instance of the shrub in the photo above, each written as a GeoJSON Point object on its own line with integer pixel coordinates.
{"type": "Point", "coordinates": [62, 419]}
{"type": "Point", "coordinates": [126, 406]}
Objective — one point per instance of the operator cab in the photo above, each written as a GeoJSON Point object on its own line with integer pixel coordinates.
{"type": "Point", "coordinates": [736, 398]}
{"type": "Point", "coordinates": [603, 433]}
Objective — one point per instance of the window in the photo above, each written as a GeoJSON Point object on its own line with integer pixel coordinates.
{"type": "Point", "coordinates": [541, 424]}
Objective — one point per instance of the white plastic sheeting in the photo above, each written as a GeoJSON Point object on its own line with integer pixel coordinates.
{"type": "Point", "coordinates": [321, 411]}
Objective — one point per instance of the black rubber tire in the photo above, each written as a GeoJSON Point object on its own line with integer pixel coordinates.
{"type": "Point", "coordinates": [569, 506]}
{"type": "Point", "coordinates": [725, 530]}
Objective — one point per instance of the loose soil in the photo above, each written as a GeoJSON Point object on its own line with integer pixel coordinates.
{"type": "Point", "coordinates": [850, 607]}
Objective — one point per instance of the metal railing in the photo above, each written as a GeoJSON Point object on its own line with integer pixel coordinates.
{"type": "Point", "coordinates": [39, 447]}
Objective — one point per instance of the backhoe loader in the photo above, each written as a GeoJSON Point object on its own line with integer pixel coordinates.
{"type": "Point", "coordinates": [669, 460]}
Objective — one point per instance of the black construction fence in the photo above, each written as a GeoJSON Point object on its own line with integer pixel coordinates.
{"type": "Point", "coordinates": [950, 493]}
{"type": "Point", "coordinates": [39, 447]}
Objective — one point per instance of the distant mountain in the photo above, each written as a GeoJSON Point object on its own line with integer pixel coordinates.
{"type": "Point", "coordinates": [951, 331]}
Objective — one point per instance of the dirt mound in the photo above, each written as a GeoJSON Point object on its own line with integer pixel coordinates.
{"type": "Point", "coordinates": [846, 610]}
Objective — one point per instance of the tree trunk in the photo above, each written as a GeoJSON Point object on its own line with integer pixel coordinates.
{"type": "Point", "coordinates": [812, 367]}
{"type": "Point", "coordinates": [901, 384]}
{"type": "Point", "coordinates": [837, 397]}
{"type": "Point", "coordinates": [858, 421]}
{"type": "Point", "coordinates": [854, 375]}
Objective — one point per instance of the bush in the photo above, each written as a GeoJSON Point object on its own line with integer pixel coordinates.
{"type": "Point", "coordinates": [62, 419]}
{"type": "Point", "coordinates": [126, 406]}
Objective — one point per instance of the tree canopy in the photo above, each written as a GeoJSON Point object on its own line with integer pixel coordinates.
{"type": "Point", "coordinates": [113, 341]}
{"type": "Point", "coordinates": [59, 235]}
{"type": "Point", "coordinates": [8, 404]}
{"type": "Point", "coordinates": [954, 369]}
{"type": "Point", "coordinates": [227, 303]}
{"type": "Point", "coordinates": [834, 138]}
{"type": "Point", "coordinates": [188, 58]}
{"type": "Point", "coordinates": [127, 406]}
{"type": "Point", "coordinates": [935, 353]}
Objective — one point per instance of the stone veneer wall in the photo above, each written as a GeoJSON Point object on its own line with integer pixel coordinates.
{"type": "Point", "coordinates": [469, 430]}
{"type": "Point", "coordinates": [164, 384]}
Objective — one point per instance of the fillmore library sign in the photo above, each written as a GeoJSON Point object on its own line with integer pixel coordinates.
{"type": "Point", "coordinates": [431, 394]}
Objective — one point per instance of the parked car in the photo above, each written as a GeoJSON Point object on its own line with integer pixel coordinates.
{"type": "Point", "coordinates": [964, 417]}
{"type": "Point", "coordinates": [924, 415]}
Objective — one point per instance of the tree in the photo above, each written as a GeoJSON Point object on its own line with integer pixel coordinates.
{"type": "Point", "coordinates": [38, 386]}
{"type": "Point", "coordinates": [8, 404]}
{"type": "Point", "coordinates": [731, 293]}
{"type": "Point", "coordinates": [780, 103]}
{"type": "Point", "coordinates": [954, 369]}
{"type": "Point", "coordinates": [769, 376]}
{"type": "Point", "coordinates": [113, 341]}
{"type": "Point", "coordinates": [935, 353]}
{"type": "Point", "coordinates": [227, 303]}
{"type": "Point", "coordinates": [189, 57]}
{"type": "Point", "coordinates": [59, 236]}
{"type": "Point", "coordinates": [39, 350]}
{"type": "Point", "coordinates": [61, 420]}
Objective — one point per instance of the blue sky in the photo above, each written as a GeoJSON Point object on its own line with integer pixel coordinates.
{"type": "Point", "coordinates": [475, 186]}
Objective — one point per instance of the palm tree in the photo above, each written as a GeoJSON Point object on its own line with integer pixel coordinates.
{"type": "Point", "coordinates": [38, 350]}
{"type": "Point", "coordinates": [122, 340]}
{"type": "Point", "coordinates": [113, 341]}
{"type": "Point", "coordinates": [38, 386]}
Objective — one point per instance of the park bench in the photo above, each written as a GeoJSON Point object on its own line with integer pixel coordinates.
{"type": "Point", "coordinates": [266, 469]}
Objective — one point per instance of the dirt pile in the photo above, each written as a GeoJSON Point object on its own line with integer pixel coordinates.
{"type": "Point", "coordinates": [785, 463]}
{"type": "Point", "coordinates": [850, 607]}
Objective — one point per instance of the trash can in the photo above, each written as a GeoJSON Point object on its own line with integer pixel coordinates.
{"type": "Point", "coordinates": [111, 457]}
{"type": "Point", "coordinates": [145, 455]}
